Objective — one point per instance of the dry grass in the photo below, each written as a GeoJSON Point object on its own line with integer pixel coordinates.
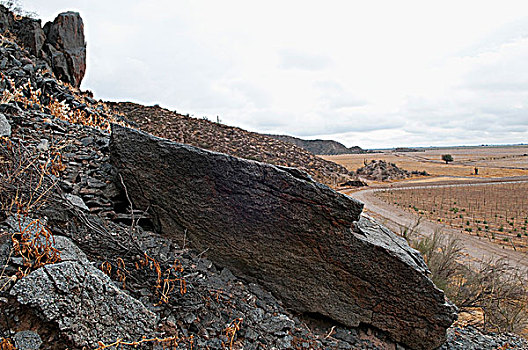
{"type": "Point", "coordinates": [491, 161]}
{"type": "Point", "coordinates": [495, 289]}
{"type": "Point", "coordinates": [28, 96]}
{"type": "Point", "coordinates": [6, 344]}
{"type": "Point", "coordinates": [26, 183]}
{"type": "Point", "coordinates": [231, 332]}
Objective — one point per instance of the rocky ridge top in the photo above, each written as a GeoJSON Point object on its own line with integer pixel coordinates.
{"type": "Point", "coordinates": [230, 140]}
{"type": "Point", "coordinates": [321, 147]}
{"type": "Point", "coordinates": [59, 44]}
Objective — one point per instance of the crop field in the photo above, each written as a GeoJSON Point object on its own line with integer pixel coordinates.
{"type": "Point", "coordinates": [498, 212]}
{"type": "Point", "coordinates": [491, 161]}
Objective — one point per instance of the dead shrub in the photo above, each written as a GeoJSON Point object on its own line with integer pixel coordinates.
{"type": "Point", "coordinates": [27, 179]}
{"type": "Point", "coordinates": [166, 281]}
{"type": "Point", "coordinates": [35, 244]}
{"type": "Point", "coordinates": [5, 344]}
{"type": "Point", "coordinates": [494, 287]}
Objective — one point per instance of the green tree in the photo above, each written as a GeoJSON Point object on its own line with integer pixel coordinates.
{"type": "Point", "coordinates": [447, 158]}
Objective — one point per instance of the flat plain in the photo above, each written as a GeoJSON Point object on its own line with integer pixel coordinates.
{"type": "Point", "coordinates": [491, 161]}
{"type": "Point", "coordinates": [491, 205]}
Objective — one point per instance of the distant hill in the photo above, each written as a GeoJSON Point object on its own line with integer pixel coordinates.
{"type": "Point", "coordinates": [321, 147]}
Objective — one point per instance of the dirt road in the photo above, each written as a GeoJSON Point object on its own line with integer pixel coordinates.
{"type": "Point", "coordinates": [476, 248]}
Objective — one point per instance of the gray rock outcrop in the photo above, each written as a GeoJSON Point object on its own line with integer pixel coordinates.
{"type": "Point", "coordinates": [321, 147]}
{"type": "Point", "coordinates": [83, 301]}
{"type": "Point", "coordinates": [27, 340]}
{"type": "Point", "coordinates": [301, 240]}
{"type": "Point", "coordinates": [61, 43]}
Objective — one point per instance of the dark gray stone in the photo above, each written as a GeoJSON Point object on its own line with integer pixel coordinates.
{"type": "Point", "coordinates": [299, 239]}
{"type": "Point", "coordinates": [278, 325]}
{"type": "Point", "coordinates": [30, 34]}
{"type": "Point", "coordinates": [66, 47]}
{"type": "Point", "coordinates": [84, 303]}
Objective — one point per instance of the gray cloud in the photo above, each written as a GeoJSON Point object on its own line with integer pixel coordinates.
{"type": "Point", "coordinates": [292, 59]}
{"type": "Point", "coordinates": [359, 81]}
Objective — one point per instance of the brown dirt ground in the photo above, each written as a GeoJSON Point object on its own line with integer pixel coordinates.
{"type": "Point", "coordinates": [491, 161]}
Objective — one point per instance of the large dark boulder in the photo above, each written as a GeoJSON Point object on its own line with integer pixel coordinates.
{"type": "Point", "coordinates": [65, 47]}
{"type": "Point", "coordinates": [274, 226]}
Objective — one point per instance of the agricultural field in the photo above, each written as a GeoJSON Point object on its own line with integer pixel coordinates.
{"type": "Point", "coordinates": [498, 212]}
{"type": "Point", "coordinates": [491, 161]}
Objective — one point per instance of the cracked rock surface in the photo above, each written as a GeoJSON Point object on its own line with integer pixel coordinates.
{"type": "Point", "coordinates": [299, 239]}
{"type": "Point", "coordinates": [83, 301]}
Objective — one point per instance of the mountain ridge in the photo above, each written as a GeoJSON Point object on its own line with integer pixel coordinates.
{"type": "Point", "coordinates": [318, 146]}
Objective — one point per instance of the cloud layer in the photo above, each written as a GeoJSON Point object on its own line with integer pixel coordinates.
{"type": "Point", "coordinates": [378, 74]}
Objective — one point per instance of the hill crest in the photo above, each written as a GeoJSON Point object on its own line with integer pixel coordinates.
{"type": "Point", "coordinates": [320, 147]}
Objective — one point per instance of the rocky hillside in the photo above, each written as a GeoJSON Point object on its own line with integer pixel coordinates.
{"type": "Point", "coordinates": [321, 147]}
{"type": "Point", "coordinates": [231, 140]}
{"type": "Point", "coordinates": [212, 252]}
{"type": "Point", "coordinates": [380, 170]}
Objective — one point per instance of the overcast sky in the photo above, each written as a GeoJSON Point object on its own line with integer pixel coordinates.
{"type": "Point", "coordinates": [368, 73]}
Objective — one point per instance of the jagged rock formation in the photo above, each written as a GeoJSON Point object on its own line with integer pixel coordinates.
{"type": "Point", "coordinates": [301, 240]}
{"type": "Point", "coordinates": [60, 44]}
{"type": "Point", "coordinates": [230, 140]}
{"type": "Point", "coordinates": [65, 47]}
{"type": "Point", "coordinates": [321, 147]}
{"type": "Point", "coordinates": [380, 170]}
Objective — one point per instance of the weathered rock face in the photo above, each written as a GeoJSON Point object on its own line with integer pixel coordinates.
{"type": "Point", "coordinates": [66, 48]}
{"type": "Point", "coordinates": [30, 33]}
{"type": "Point", "coordinates": [61, 43]}
{"type": "Point", "coordinates": [83, 301]}
{"type": "Point", "coordinates": [299, 239]}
